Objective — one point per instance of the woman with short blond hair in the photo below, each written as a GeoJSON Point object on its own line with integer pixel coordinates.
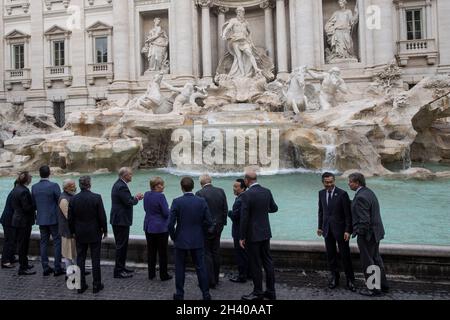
{"type": "Point", "coordinates": [156, 228]}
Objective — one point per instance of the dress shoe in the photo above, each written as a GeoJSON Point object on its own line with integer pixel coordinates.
{"type": "Point", "coordinates": [26, 273]}
{"type": "Point", "coordinates": [97, 289]}
{"type": "Point", "coordinates": [123, 275]}
{"type": "Point", "coordinates": [270, 296]}
{"type": "Point", "coordinates": [253, 297]}
{"type": "Point", "coordinates": [151, 277]}
{"type": "Point", "coordinates": [166, 277]}
{"type": "Point", "coordinates": [351, 286]}
{"type": "Point", "coordinates": [370, 293]}
{"type": "Point", "coordinates": [83, 289]}
{"type": "Point", "coordinates": [238, 280]}
{"type": "Point", "coordinates": [128, 270]}
{"type": "Point", "coordinates": [385, 289]}
{"type": "Point", "coordinates": [59, 273]}
{"type": "Point", "coordinates": [48, 272]}
{"type": "Point", "coordinates": [333, 282]}
{"type": "Point", "coordinates": [8, 265]}
{"type": "Point", "coordinates": [177, 297]}
{"type": "Point", "coordinates": [30, 266]}
{"type": "Point", "coordinates": [207, 298]}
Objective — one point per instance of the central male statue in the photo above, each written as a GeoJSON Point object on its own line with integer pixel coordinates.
{"type": "Point", "coordinates": [243, 58]}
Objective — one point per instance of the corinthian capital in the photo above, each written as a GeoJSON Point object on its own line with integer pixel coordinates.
{"type": "Point", "coordinates": [222, 10]}
{"type": "Point", "coordinates": [204, 3]}
{"type": "Point", "coordinates": [268, 4]}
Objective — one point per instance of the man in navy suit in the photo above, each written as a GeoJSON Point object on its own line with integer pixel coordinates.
{"type": "Point", "coordinates": [335, 225]}
{"type": "Point", "coordinates": [235, 215]}
{"type": "Point", "coordinates": [46, 197]}
{"type": "Point", "coordinates": [255, 234]}
{"type": "Point", "coordinates": [190, 221]}
{"type": "Point", "coordinates": [122, 203]}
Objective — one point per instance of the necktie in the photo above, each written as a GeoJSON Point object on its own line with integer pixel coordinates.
{"type": "Point", "coordinates": [329, 198]}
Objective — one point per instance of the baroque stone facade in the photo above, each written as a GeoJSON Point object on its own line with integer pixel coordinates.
{"type": "Point", "coordinates": [62, 56]}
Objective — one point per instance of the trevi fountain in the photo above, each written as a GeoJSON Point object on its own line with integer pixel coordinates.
{"type": "Point", "coordinates": [315, 120]}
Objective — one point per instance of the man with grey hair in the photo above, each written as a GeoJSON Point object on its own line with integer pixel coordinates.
{"type": "Point", "coordinates": [255, 235]}
{"type": "Point", "coordinates": [68, 244]}
{"type": "Point", "coordinates": [122, 219]}
{"type": "Point", "coordinates": [87, 221]}
{"type": "Point", "coordinates": [369, 230]}
{"type": "Point", "coordinates": [218, 207]}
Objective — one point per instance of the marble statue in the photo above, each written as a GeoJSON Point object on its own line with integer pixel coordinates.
{"type": "Point", "coordinates": [338, 30]}
{"type": "Point", "coordinates": [152, 98]}
{"type": "Point", "coordinates": [332, 83]}
{"type": "Point", "coordinates": [186, 98]}
{"type": "Point", "coordinates": [296, 95]}
{"type": "Point", "coordinates": [155, 48]}
{"type": "Point", "coordinates": [243, 59]}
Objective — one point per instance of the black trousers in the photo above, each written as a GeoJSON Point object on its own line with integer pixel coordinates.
{"type": "Point", "coordinates": [259, 257]}
{"type": "Point", "coordinates": [121, 235]}
{"type": "Point", "coordinates": [369, 251]}
{"type": "Point", "coordinates": [9, 244]}
{"type": "Point", "coordinates": [157, 244]}
{"type": "Point", "coordinates": [332, 255]}
{"type": "Point", "coordinates": [212, 258]}
{"type": "Point", "coordinates": [23, 235]}
{"type": "Point", "coordinates": [95, 248]}
{"type": "Point", "coordinates": [241, 260]}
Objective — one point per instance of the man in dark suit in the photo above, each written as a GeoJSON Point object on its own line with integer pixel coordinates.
{"type": "Point", "coordinates": [23, 219]}
{"type": "Point", "coordinates": [46, 197]}
{"type": "Point", "coordinates": [190, 221]}
{"type": "Point", "coordinates": [9, 244]}
{"type": "Point", "coordinates": [235, 215]}
{"type": "Point", "coordinates": [87, 221]}
{"type": "Point", "coordinates": [218, 207]}
{"type": "Point", "coordinates": [122, 218]}
{"type": "Point", "coordinates": [368, 227]}
{"type": "Point", "coordinates": [255, 234]}
{"type": "Point", "coordinates": [335, 225]}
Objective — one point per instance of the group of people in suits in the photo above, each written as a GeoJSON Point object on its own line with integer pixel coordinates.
{"type": "Point", "coordinates": [23, 209]}
{"type": "Point", "coordinates": [340, 219]}
{"type": "Point", "coordinates": [195, 222]}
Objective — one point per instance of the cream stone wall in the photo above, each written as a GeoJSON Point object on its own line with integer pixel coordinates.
{"type": "Point", "coordinates": [290, 31]}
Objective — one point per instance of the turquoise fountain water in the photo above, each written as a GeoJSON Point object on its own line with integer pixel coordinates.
{"type": "Point", "coordinates": [414, 212]}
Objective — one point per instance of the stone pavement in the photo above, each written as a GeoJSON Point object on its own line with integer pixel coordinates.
{"type": "Point", "coordinates": [291, 285]}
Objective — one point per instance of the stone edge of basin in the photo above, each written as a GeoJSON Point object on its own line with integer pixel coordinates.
{"type": "Point", "coordinates": [412, 250]}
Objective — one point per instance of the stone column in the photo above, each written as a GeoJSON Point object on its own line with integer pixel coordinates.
{"type": "Point", "coordinates": [206, 39]}
{"type": "Point", "coordinates": [304, 23]}
{"type": "Point", "coordinates": [443, 12]}
{"type": "Point", "coordinates": [77, 45]}
{"type": "Point", "coordinates": [2, 59]}
{"type": "Point", "coordinates": [384, 38]}
{"type": "Point", "coordinates": [37, 45]}
{"type": "Point", "coordinates": [184, 39]}
{"type": "Point", "coordinates": [429, 19]}
{"type": "Point", "coordinates": [281, 38]}
{"type": "Point", "coordinates": [220, 22]}
{"type": "Point", "coordinates": [268, 24]}
{"type": "Point", "coordinates": [121, 44]}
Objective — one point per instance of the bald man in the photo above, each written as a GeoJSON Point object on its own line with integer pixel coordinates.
{"type": "Point", "coordinates": [255, 235]}
{"type": "Point", "coordinates": [122, 218]}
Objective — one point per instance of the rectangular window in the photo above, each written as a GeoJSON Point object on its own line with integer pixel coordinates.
{"type": "Point", "coordinates": [59, 112]}
{"type": "Point", "coordinates": [19, 56]}
{"type": "Point", "coordinates": [414, 24]}
{"type": "Point", "coordinates": [101, 49]}
{"type": "Point", "coordinates": [58, 53]}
